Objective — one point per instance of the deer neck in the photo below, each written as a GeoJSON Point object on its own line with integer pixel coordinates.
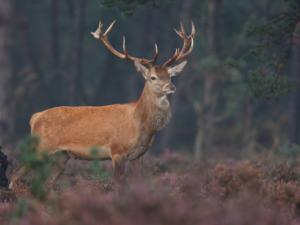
{"type": "Point", "coordinates": [152, 110]}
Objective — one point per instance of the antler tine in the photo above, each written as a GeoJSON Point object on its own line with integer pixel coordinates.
{"type": "Point", "coordinates": [124, 44]}
{"type": "Point", "coordinates": [109, 28]}
{"type": "Point", "coordinates": [188, 51]}
{"type": "Point", "coordinates": [193, 32]}
{"type": "Point", "coordinates": [179, 33]}
{"type": "Point", "coordinates": [182, 27]}
{"type": "Point", "coordinates": [173, 58]}
{"type": "Point", "coordinates": [155, 54]}
{"type": "Point", "coordinates": [103, 37]}
{"type": "Point", "coordinates": [97, 32]}
{"type": "Point", "coordinates": [156, 48]}
{"type": "Point", "coordinates": [182, 32]}
{"type": "Point", "coordinates": [187, 47]}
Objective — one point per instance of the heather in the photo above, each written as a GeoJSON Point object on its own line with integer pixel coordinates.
{"type": "Point", "coordinates": [173, 190]}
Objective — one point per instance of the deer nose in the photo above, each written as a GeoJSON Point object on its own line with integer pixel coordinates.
{"type": "Point", "coordinates": [169, 88]}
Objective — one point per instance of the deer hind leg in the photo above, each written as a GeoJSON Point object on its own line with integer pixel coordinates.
{"type": "Point", "coordinates": [119, 165]}
{"type": "Point", "coordinates": [17, 174]}
{"type": "Point", "coordinates": [61, 159]}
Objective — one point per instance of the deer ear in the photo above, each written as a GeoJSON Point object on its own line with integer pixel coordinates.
{"type": "Point", "coordinates": [141, 68]}
{"type": "Point", "coordinates": [176, 69]}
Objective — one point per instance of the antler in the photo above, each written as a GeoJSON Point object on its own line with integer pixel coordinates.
{"type": "Point", "coordinates": [103, 37]}
{"type": "Point", "coordinates": [188, 44]}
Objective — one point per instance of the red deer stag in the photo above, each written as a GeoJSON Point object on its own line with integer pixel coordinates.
{"type": "Point", "coordinates": [120, 132]}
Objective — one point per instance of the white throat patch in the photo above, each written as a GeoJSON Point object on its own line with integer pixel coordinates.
{"type": "Point", "coordinates": [163, 102]}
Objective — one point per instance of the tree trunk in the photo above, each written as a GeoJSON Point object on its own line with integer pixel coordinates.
{"type": "Point", "coordinates": [206, 117]}
{"type": "Point", "coordinates": [213, 37]}
{"type": "Point", "coordinates": [249, 133]}
{"type": "Point", "coordinates": [294, 105]}
{"type": "Point", "coordinates": [55, 66]}
{"type": "Point", "coordinates": [6, 86]}
{"type": "Point", "coordinates": [75, 83]}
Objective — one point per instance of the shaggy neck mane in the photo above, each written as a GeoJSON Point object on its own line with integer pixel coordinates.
{"type": "Point", "coordinates": [152, 116]}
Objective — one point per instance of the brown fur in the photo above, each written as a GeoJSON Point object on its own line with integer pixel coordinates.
{"type": "Point", "coordinates": [122, 129]}
{"type": "Point", "coordinates": [121, 132]}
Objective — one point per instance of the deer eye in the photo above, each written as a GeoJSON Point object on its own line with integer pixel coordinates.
{"type": "Point", "coordinates": [153, 78]}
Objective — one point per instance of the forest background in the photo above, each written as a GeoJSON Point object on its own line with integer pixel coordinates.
{"type": "Point", "coordinates": [239, 94]}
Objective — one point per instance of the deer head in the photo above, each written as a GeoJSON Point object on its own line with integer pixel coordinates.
{"type": "Point", "coordinates": [157, 77]}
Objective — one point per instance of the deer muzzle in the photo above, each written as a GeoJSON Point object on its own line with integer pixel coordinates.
{"type": "Point", "coordinates": [169, 88]}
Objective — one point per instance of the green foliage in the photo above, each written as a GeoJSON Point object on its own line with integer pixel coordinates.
{"type": "Point", "coordinates": [274, 39]}
{"type": "Point", "coordinates": [291, 151]}
{"type": "Point", "coordinates": [40, 164]}
{"type": "Point", "coordinates": [209, 63]}
{"type": "Point", "coordinates": [20, 210]}
{"type": "Point", "coordinates": [267, 85]}
{"type": "Point", "coordinates": [229, 73]}
{"type": "Point", "coordinates": [127, 7]}
{"type": "Point", "coordinates": [97, 166]}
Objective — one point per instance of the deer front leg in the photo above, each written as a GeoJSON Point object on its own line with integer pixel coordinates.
{"type": "Point", "coordinates": [60, 161]}
{"type": "Point", "coordinates": [17, 174]}
{"type": "Point", "coordinates": [137, 164]}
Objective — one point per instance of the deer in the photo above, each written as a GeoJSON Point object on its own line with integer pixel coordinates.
{"type": "Point", "coordinates": [120, 132]}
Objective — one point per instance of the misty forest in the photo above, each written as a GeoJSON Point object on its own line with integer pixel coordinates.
{"type": "Point", "coordinates": [228, 155]}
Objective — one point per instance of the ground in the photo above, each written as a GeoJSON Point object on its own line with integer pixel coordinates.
{"type": "Point", "coordinates": [174, 190]}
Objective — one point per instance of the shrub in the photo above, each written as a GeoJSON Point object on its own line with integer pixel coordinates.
{"type": "Point", "coordinates": [231, 193]}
